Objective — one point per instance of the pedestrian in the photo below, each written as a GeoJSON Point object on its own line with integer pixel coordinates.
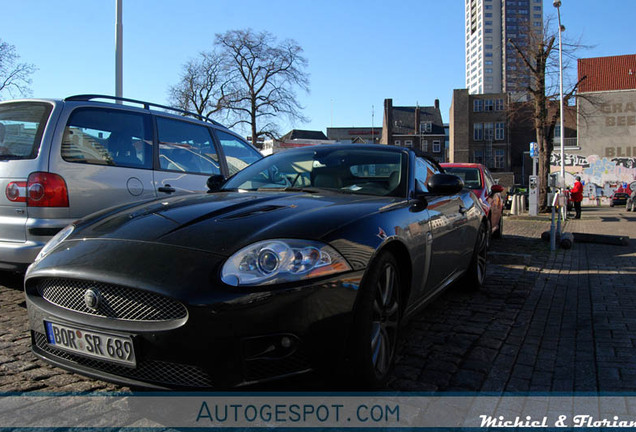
{"type": "Point", "coordinates": [631, 201]}
{"type": "Point", "coordinates": [577, 196]}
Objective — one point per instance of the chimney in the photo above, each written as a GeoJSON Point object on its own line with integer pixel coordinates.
{"type": "Point", "coordinates": [387, 123]}
{"type": "Point", "coordinates": [437, 104]}
{"type": "Point", "coordinates": [417, 120]}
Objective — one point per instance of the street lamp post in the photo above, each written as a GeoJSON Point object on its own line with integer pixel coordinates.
{"type": "Point", "coordinates": [557, 5]}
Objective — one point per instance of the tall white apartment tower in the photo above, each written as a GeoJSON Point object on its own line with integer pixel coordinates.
{"type": "Point", "coordinates": [492, 63]}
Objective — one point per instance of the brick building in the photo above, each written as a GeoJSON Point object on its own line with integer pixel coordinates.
{"type": "Point", "coordinates": [415, 126]}
{"type": "Point", "coordinates": [479, 131]}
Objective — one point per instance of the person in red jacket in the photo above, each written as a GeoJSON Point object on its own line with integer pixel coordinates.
{"type": "Point", "coordinates": [576, 194]}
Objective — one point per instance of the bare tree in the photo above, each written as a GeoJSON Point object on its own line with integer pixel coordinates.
{"type": "Point", "coordinates": [202, 85]}
{"type": "Point", "coordinates": [263, 76]}
{"type": "Point", "coordinates": [15, 77]}
{"type": "Point", "coordinates": [249, 78]}
{"type": "Point", "coordinates": [540, 57]}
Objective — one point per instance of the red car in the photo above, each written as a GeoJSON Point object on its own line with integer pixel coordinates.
{"type": "Point", "coordinates": [478, 178]}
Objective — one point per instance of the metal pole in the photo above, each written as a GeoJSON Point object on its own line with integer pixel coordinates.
{"type": "Point", "coordinates": [561, 115]}
{"type": "Point", "coordinates": [119, 34]}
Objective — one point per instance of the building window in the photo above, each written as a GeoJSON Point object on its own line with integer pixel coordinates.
{"type": "Point", "coordinates": [436, 146]}
{"type": "Point", "coordinates": [499, 105]}
{"type": "Point", "coordinates": [426, 127]}
{"type": "Point", "coordinates": [408, 143]}
{"type": "Point", "coordinates": [478, 131]}
{"type": "Point", "coordinates": [500, 159]}
{"type": "Point", "coordinates": [425, 145]}
{"type": "Point", "coordinates": [488, 103]}
{"type": "Point", "coordinates": [478, 105]}
{"type": "Point", "coordinates": [500, 128]}
{"type": "Point", "coordinates": [488, 131]}
{"type": "Point", "coordinates": [478, 155]}
{"type": "Point", "coordinates": [398, 142]}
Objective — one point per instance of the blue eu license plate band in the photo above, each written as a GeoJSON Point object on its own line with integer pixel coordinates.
{"type": "Point", "coordinates": [49, 333]}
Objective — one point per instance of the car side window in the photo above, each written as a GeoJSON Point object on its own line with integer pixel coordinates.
{"type": "Point", "coordinates": [423, 172]}
{"type": "Point", "coordinates": [186, 147]}
{"type": "Point", "coordinates": [108, 137]}
{"type": "Point", "coordinates": [237, 153]}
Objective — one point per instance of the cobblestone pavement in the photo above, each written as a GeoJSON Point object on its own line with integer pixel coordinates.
{"type": "Point", "coordinates": [545, 321]}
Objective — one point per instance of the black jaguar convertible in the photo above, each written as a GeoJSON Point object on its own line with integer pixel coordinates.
{"type": "Point", "coordinates": [309, 259]}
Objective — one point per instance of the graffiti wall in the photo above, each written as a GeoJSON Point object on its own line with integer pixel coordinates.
{"type": "Point", "coordinates": [601, 175]}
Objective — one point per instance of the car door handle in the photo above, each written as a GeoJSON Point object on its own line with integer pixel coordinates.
{"type": "Point", "coordinates": [167, 189]}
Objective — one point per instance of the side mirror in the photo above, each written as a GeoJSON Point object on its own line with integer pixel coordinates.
{"type": "Point", "coordinates": [496, 189]}
{"type": "Point", "coordinates": [215, 182]}
{"type": "Point", "coordinates": [445, 184]}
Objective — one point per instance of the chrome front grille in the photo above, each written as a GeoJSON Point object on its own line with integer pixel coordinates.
{"type": "Point", "coordinates": [115, 301]}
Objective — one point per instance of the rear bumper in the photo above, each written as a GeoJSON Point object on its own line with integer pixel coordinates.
{"type": "Point", "coordinates": [17, 256]}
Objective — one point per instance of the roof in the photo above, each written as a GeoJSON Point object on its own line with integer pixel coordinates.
{"type": "Point", "coordinates": [607, 73]}
{"type": "Point", "coordinates": [404, 120]}
{"type": "Point", "coordinates": [296, 134]}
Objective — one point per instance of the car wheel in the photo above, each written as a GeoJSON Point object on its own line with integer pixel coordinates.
{"type": "Point", "coordinates": [476, 274]}
{"type": "Point", "coordinates": [376, 323]}
{"type": "Point", "coordinates": [488, 232]}
{"type": "Point", "coordinates": [611, 203]}
{"type": "Point", "coordinates": [499, 233]}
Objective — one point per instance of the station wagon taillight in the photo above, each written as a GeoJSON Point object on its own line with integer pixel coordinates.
{"type": "Point", "coordinates": [16, 191]}
{"type": "Point", "coordinates": [40, 190]}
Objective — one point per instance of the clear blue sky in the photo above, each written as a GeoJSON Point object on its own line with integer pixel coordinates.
{"type": "Point", "coordinates": [359, 52]}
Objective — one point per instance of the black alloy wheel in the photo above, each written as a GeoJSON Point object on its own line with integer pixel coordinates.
{"type": "Point", "coordinates": [476, 274]}
{"type": "Point", "coordinates": [376, 323]}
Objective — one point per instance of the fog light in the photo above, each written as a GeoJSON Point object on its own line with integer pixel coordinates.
{"type": "Point", "coordinates": [285, 342]}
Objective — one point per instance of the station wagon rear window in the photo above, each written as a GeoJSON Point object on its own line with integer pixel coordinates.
{"type": "Point", "coordinates": [21, 129]}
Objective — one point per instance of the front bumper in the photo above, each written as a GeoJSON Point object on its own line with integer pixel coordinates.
{"type": "Point", "coordinates": [228, 337]}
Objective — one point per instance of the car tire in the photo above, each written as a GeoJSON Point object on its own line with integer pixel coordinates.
{"type": "Point", "coordinates": [476, 273]}
{"type": "Point", "coordinates": [376, 324]}
{"type": "Point", "coordinates": [488, 232]}
{"type": "Point", "coordinates": [499, 233]}
{"type": "Point", "coordinates": [611, 203]}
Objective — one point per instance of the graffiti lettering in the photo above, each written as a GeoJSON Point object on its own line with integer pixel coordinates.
{"type": "Point", "coordinates": [570, 160]}
{"type": "Point", "coordinates": [626, 162]}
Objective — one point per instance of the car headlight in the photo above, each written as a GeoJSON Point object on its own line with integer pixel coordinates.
{"type": "Point", "coordinates": [56, 240]}
{"type": "Point", "coordinates": [279, 261]}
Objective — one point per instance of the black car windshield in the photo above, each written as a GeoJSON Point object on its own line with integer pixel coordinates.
{"type": "Point", "coordinates": [364, 171]}
{"type": "Point", "coordinates": [470, 176]}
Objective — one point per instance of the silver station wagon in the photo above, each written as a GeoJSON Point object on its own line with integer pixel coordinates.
{"type": "Point", "coordinates": [63, 159]}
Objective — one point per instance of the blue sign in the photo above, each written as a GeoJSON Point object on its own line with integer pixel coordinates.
{"type": "Point", "coordinates": [534, 149]}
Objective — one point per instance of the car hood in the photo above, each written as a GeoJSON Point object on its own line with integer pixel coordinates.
{"type": "Point", "coordinates": [224, 222]}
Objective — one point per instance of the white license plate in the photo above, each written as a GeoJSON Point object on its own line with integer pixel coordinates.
{"type": "Point", "coordinates": [104, 346]}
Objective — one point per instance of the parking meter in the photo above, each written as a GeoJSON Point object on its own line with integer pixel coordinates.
{"type": "Point", "coordinates": [533, 195]}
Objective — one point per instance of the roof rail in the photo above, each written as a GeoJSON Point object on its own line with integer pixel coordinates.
{"type": "Point", "coordinates": [146, 105]}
